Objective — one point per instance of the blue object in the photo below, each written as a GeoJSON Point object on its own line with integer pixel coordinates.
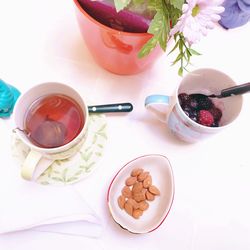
{"type": "Point", "coordinates": [237, 13]}
{"type": "Point", "coordinates": [8, 97]}
{"type": "Point", "coordinates": [157, 99]}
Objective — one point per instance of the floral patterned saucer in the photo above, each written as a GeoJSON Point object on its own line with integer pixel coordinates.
{"type": "Point", "coordinates": [77, 167]}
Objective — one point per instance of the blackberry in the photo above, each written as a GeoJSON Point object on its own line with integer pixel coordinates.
{"type": "Point", "coordinates": [204, 103]}
{"type": "Point", "coordinates": [184, 99]}
{"type": "Point", "coordinates": [215, 124]}
{"type": "Point", "coordinates": [217, 114]}
{"type": "Point", "coordinates": [193, 103]}
{"type": "Point", "coordinates": [194, 115]}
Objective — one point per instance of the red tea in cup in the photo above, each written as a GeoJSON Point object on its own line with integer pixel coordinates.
{"type": "Point", "coordinates": [53, 121]}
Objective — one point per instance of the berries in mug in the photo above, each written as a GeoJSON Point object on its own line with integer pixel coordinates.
{"type": "Point", "coordinates": [200, 109]}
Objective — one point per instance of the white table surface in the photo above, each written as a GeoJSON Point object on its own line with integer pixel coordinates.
{"type": "Point", "coordinates": [40, 41]}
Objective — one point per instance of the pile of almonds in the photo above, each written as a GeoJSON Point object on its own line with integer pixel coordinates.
{"type": "Point", "coordinates": [136, 193]}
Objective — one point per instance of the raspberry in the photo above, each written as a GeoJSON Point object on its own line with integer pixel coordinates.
{"type": "Point", "coordinates": [205, 118]}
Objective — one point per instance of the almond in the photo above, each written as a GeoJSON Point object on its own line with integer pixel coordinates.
{"type": "Point", "coordinates": [126, 192]}
{"type": "Point", "coordinates": [137, 192]}
{"type": "Point", "coordinates": [137, 187]}
{"type": "Point", "coordinates": [128, 208]}
{"type": "Point", "coordinates": [139, 196]}
{"type": "Point", "coordinates": [131, 181]}
{"type": "Point", "coordinates": [149, 196]}
{"type": "Point", "coordinates": [133, 203]}
{"type": "Point", "coordinates": [147, 182]}
{"type": "Point", "coordinates": [143, 205]}
{"type": "Point", "coordinates": [143, 191]}
{"type": "Point", "coordinates": [121, 201]}
{"type": "Point", "coordinates": [154, 190]}
{"type": "Point", "coordinates": [136, 171]}
{"type": "Point", "coordinates": [142, 176]}
{"type": "Point", "coordinates": [137, 213]}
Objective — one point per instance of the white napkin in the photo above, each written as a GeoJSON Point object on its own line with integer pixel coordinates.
{"type": "Point", "coordinates": [29, 206]}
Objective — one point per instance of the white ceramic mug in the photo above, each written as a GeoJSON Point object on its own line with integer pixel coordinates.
{"type": "Point", "coordinates": [204, 81]}
{"type": "Point", "coordinates": [39, 158]}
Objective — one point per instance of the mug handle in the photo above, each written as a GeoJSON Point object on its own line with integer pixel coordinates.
{"type": "Point", "coordinates": [34, 165]}
{"type": "Point", "coordinates": [159, 105]}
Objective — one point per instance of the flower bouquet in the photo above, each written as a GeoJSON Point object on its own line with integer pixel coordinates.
{"type": "Point", "coordinates": [143, 28]}
{"type": "Point", "coordinates": [185, 21]}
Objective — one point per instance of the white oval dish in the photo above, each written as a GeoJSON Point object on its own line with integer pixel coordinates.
{"type": "Point", "coordinates": [162, 176]}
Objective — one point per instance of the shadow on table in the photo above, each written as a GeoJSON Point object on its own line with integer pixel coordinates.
{"type": "Point", "coordinates": [163, 133]}
{"type": "Point", "coordinates": [160, 130]}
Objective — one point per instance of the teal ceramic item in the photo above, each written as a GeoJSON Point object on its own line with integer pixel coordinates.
{"type": "Point", "coordinates": [8, 97]}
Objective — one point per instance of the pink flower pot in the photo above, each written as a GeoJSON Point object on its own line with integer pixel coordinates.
{"type": "Point", "coordinates": [114, 50]}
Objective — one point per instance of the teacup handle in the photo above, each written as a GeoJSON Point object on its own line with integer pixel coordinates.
{"type": "Point", "coordinates": [34, 165]}
{"type": "Point", "coordinates": [159, 105]}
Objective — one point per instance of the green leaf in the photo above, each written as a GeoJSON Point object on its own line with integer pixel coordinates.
{"type": "Point", "coordinates": [188, 55]}
{"type": "Point", "coordinates": [57, 179]}
{"type": "Point", "coordinates": [90, 165]}
{"type": "Point", "coordinates": [121, 4]}
{"type": "Point", "coordinates": [174, 48]}
{"type": "Point", "coordinates": [181, 44]}
{"type": "Point", "coordinates": [98, 154]}
{"type": "Point", "coordinates": [194, 52]}
{"type": "Point", "coordinates": [156, 24]}
{"type": "Point", "coordinates": [94, 139]}
{"type": "Point", "coordinates": [64, 173]}
{"type": "Point", "coordinates": [86, 156]}
{"type": "Point", "coordinates": [178, 58]}
{"type": "Point", "coordinates": [180, 71]}
{"type": "Point", "coordinates": [138, 2]}
{"type": "Point", "coordinates": [49, 171]}
{"type": "Point", "coordinates": [87, 165]}
{"type": "Point", "coordinates": [148, 47]}
{"type": "Point", "coordinates": [185, 57]}
{"type": "Point", "coordinates": [102, 128]}
{"type": "Point", "coordinates": [177, 3]}
{"type": "Point", "coordinates": [71, 179]}
{"type": "Point", "coordinates": [152, 4]}
{"type": "Point", "coordinates": [78, 173]}
{"type": "Point", "coordinates": [102, 134]}
{"type": "Point", "coordinates": [159, 29]}
{"type": "Point", "coordinates": [159, 5]}
{"type": "Point", "coordinates": [88, 148]}
{"type": "Point", "coordinates": [188, 52]}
